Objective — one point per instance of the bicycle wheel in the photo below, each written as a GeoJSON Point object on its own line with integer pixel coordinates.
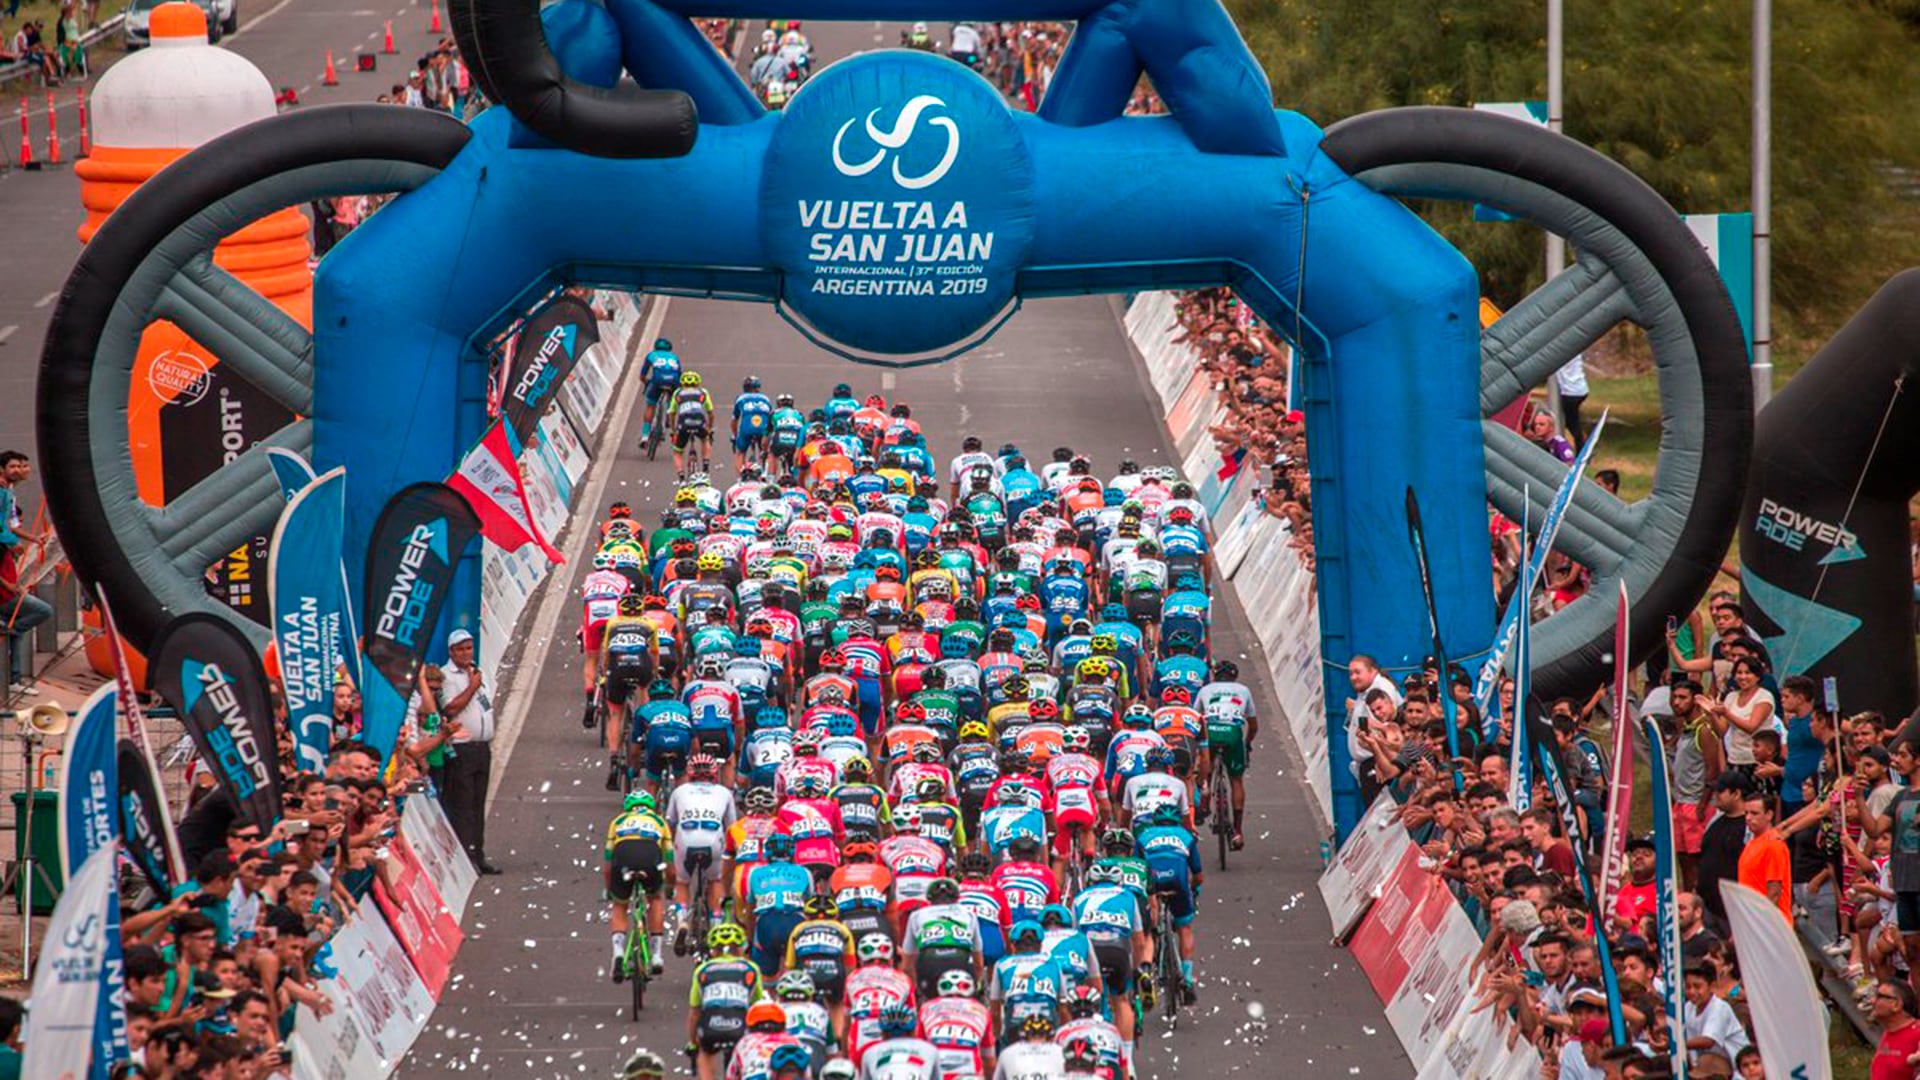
{"type": "Point", "coordinates": [639, 958]}
{"type": "Point", "coordinates": [1171, 984]}
{"type": "Point", "coordinates": [652, 444]}
{"type": "Point", "coordinates": [1222, 810]}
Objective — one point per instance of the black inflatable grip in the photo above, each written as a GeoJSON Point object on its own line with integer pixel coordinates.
{"type": "Point", "coordinates": [224, 166]}
{"type": "Point", "coordinates": [505, 46]}
{"type": "Point", "coordinates": [1483, 140]}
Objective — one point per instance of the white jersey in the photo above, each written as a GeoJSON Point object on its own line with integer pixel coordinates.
{"type": "Point", "coordinates": [961, 471]}
{"type": "Point", "coordinates": [900, 1059]}
{"type": "Point", "coordinates": [1031, 1061]}
{"type": "Point", "coordinates": [700, 812]}
{"type": "Point", "coordinates": [1150, 791]}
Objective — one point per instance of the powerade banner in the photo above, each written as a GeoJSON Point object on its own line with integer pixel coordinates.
{"type": "Point", "coordinates": [543, 356]}
{"type": "Point", "coordinates": [309, 612]}
{"type": "Point", "coordinates": [897, 198]}
{"type": "Point", "coordinates": [88, 786]}
{"type": "Point", "coordinates": [410, 560]}
{"type": "Point", "coordinates": [207, 670]}
{"type": "Point", "coordinates": [145, 829]}
{"type": "Point", "coordinates": [293, 473]}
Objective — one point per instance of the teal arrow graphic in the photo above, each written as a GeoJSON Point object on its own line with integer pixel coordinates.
{"type": "Point", "coordinates": [1811, 629]}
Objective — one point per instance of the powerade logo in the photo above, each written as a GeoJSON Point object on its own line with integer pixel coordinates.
{"type": "Point", "coordinates": [538, 379]}
{"type": "Point", "coordinates": [234, 749]}
{"type": "Point", "coordinates": [1792, 529]}
{"type": "Point", "coordinates": [404, 608]}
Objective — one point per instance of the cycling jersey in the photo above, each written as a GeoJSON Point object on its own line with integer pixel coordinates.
{"type": "Point", "coordinates": [1227, 708]}
{"type": "Point", "coordinates": [863, 812]}
{"type": "Point", "coordinates": [870, 990]}
{"type": "Point", "coordinates": [1028, 887]}
{"type": "Point", "coordinates": [1116, 1053]}
{"type": "Point", "coordinates": [666, 729]}
{"type": "Point", "coordinates": [823, 948]}
{"type": "Point", "coordinates": [1031, 1061]}
{"type": "Point", "coordinates": [1173, 859]}
{"type": "Point", "coordinates": [692, 410]}
{"type": "Point", "coordinates": [1026, 984]}
{"type": "Point", "coordinates": [724, 987]}
{"type": "Point", "coordinates": [960, 1028]}
{"type": "Point", "coordinates": [661, 369]}
{"type": "Point", "coordinates": [753, 413]}
{"type": "Point", "coordinates": [701, 812]}
{"type": "Point", "coordinates": [915, 862]}
{"type": "Point", "coordinates": [900, 1059]}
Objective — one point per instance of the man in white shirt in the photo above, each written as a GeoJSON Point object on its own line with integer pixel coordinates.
{"type": "Point", "coordinates": [1364, 675]}
{"type": "Point", "coordinates": [466, 700]}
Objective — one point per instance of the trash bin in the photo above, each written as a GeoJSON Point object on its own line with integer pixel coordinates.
{"type": "Point", "coordinates": [45, 838]}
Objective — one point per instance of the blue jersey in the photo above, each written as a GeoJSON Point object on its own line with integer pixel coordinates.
{"type": "Point", "coordinates": [1022, 491]}
{"type": "Point", "coordinates": [1172, 855]}
{"type": "Point", "coordinates": [915, 459]}
{"type": "Point", "coordinates": [662, 369]}
{"type": "Point", "coordinates": [1002, 825]}
{"type": "Point", "coordinates": [1182, 541]}
{"type": "Point", "coordinates": [864, 484]}
{"type": "Point", "coordinates": [1063, 597]}
{"type": "Point", "coordinates": [1107, 913]}
{"type": "Point", "coordinates": [1188, 671]}
{"type": "Point", "coordinates": [918, 525]}
{"type": "Point", "coordinates": [841, 408]}
{"type": "Point", "coordinates": [1126, 636]}
{"type": "Point", "coordinates": [1027, 984]}
{"type": "Point", "coordinates": [668, 724]}
{"type": "Point", "coordinates": [1072, 950]}
{"type": "Point", "coordinates": [778, 888]}
{"type": "Point", "coordinates": [753, 412]}
{"type": "Point", "coordinates": [1189, 604]}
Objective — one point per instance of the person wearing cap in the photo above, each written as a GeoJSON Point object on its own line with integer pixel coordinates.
{"type": "Point", "coordinates": [468, 702]}
{"type": "Point", "coordinates": [1636, 898]}
{"type": "Point", "coordinates": [1580, 1058]}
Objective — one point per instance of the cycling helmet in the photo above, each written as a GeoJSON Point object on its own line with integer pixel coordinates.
{"type": "Point", "coordinates": [1116, 840]}
{"type": "Point", "coordinates": [819, 907]}
{"type": "Point", "coordinates": [726, 936]}
{"type": "Point", "coordinates": [1176, 695]}
{"type": "Point", "coordinates": [1028, 602]}
{"type": "Point", "coordinates": [873, 949]}
{"type": "Point", "coordinates": [746, 645]}
{"type": "Point", "coordinates": [1055, 915]}
{"type": "Point", "coordinates": [1037, 1026]}
{"type": "Point", "coordinates": [809, 785]}
{"type": "Point", "coordinates": [766, 528]}
{"type": "Point", "coordinates": [688, 496]}
{"type": "Point", "coordinates": [838, 1069]}
{"type": "Point", "coordinates": [1080, 1054]}
{"type": "Point", "coordinates": [1226, 671]}
{"type": "Point", "coordinates": [1095, 669]}
{"type": "Point", "coordinates": [654, 602]}
{"type": "Point", "coordinates": [910, 712]}
{"type": "Point", "coordinates": [832, 660]}
{"type": "Point", "coordinates": [710, 667]}
{"type": "Point", "coordinates": [943, 890]}
{"type": "Point", "coordinates": [710, 563]}
{"type": "Point", "coordinates": [1114, 613]}
{"type": "Point", "coordinates": [777, 847]}
{"type": "Point", "coordinates": [1076, 740]}
{"type": "Point", "coordinates": [630, 605]}
{"type": "Point", "coordinates": [1034, 663]}
{"type": "Point", "coordinates": [1014, 688]}
{"type": "Point", "coordinates": [661, 690]}
{"type": "Point", "coordinates": [974, 729]}
{"type": "Point", "coordinates": [1168, 814]}
{"type": "Point", "coordinates": [662, 345]}
{"type": "Point", "coordinates": [807, 741]}
{"type": "Point", "coordinates": [862, 849]}
{"type": "Point", "coordinates": [689, 378]}
{"type": "Point", "coordinates": [785, 401]}
{"type": "Point", "coordinates": [1026, 930]}
{"type": "Point", "coordinates": [1189, 582]}
{"type": "Point", "coordinates": [767, 1015]}
{"type": "Point", "coordinates": [768, 717]}
{"type": "Point", "coordinates": [931, 788]}
{"type": "Point", "coordinates": [644, 1065]}
{"type": "Point", "coordinates": [1160, 757]}
{"type": "Point", "coordinates": [974, 865]}
{"type": "Point", "coordinates": [703, 766]}
{"type": "Point", "coordinates": [1044, 710]}
{"type": "Point", "coordinates": [1084, 1001]}
{"type": "Point", "coordinates": [602, 561]}
{"type": "Point", "coordinates": [760, 800]}
{"type": "Point", "coordinates": [906, 819]}
{"type": "Point", "coordinates": [833, 694]}
{"type": "Point", "coordinates": [1104, 644]}
{"type": "Point", "coordinates": [955, 983]}
{"type": "Point", "coordinates": [857, 769]}
{"type": "Point", "coordinates": [926, 753]}
{"type": "Point", "coordinates": [1183, 641]}
{"type": "Point", "coordinates": [1137, 716]}
{"type": "Point", "coordinates": [750, 384]}
{"type": "Point", "coordinates": [789, 1057]}
{"type": "Point", "coordinates": [638, 800]}
{"type": "Point", "coordinates": [897, 1021]}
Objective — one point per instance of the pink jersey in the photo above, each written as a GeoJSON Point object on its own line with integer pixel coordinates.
{"type": "Point", "coordinates": [915, 861]}
{"type": "Point", "coordinates": [808, 765]}
{"type": "Point", "coordinates": [600, 592]}
{"type": "Point", "coordinates": [814, 825]}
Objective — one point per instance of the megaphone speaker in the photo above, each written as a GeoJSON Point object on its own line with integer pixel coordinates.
{"type": "Point", "coordinates": [45, 719]}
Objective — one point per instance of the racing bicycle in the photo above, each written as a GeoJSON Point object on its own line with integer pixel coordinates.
{"type": "Point", "coordinates": [1169, 985]}
{"type": "Point", "coordinates": [638, 956]}
{"type": "Point", "coordinates": [655, 436]}
{"type": "Point", "coordinates": [699, 918]}
{"type": "Point", "coordinates": [1220, 806]}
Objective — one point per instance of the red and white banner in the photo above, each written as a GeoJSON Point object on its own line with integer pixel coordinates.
{"type": "Point", "coordinates": [1415, 946]}
{"type": "Point", "coordinates": [430, 835]}
{"type": "Point", "coordinates": [489, 479]}
{"type": "Point", "coordinates": [419, 918]}
{"type": "Point", "coordinates": [1357, 875]}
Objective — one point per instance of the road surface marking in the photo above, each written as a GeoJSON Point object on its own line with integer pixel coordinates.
{"type": "Point", "coordinates": [260, 18]}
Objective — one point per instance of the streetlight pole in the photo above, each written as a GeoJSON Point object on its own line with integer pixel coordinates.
{"type": "Point", "coordinates": [1762, 202]}
{"type": "Point", "coordinates": [1556, 77]}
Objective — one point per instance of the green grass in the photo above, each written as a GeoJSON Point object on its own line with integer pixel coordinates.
{"type": "Point", "coordinates": [47, 13]}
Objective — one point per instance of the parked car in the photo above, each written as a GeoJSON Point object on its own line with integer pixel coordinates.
{"type": "Point", "coordinates": [223, 17]}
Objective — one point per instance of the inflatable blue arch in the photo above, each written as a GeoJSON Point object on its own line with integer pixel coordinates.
{"type": "Point", "coordinates": [897, 212]}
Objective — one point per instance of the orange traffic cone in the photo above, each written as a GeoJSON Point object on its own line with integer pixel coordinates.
{"type": "Point", "coordinates": [388, 46]}
{"type": "Point", "coordinates": [434, 27]}
{"type": "Point", "coordinates": [86, 142]}
{"type": "Point", "coordinates": [26, 140]}
{"type": "Point", "coordinates": [331, 79]}
{"type": "Point", "coordinates": [53, 131]}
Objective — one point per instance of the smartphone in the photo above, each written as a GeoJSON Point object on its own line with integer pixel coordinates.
{"type": "Point", "coordinates": [332, 803]}
{"type": "Point", "coordinates": [297, 827]}
{"type": "Point", "coordinates": [1673, 625]}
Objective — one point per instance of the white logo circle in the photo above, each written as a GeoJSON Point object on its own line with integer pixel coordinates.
{"type": "Point", "coordinates": [178, 377]}
{"type": "Point", "coordinates": [903, 130]}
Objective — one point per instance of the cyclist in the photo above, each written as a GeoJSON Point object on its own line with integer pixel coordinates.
{"type": "Point", "coordinates": [661, 372]}
{"type": "Point", "coordinates": [813, 1024]}
{"type": "Point", "coordinates": [959, 1026]}
{"type": "Point", "coordinates": [668, 733]}
{"type": "Point", "coordinates": [766, 1036]}
{"type": "Point", "coordinates": [600, 594]}
{"type": "Point", "coordinates": [627, 654]}
{"type": "Point", "coordinates": [716, 710]}
{"type": "Point", "coordinates": [725, 987]}
{"type": "Point", "coordinates": [941, 937]}
{"type": "Point", "coordinates": [700, 811]}
{"type": "Point", "coordinates": [864, 813]}
{"type": "Point", "coordinates": [872, 988]}
{"type": "Point", "coordinates": [1174, 869]}
{"type": "Point", "coordinates": [899, 1055]}
{"type": "Point", "coordinates": [1112, 917]}
{"type": "Point", "coordinates": [692, 423]}
{"type": "Point", "coordinates": [1232, 721]}
{"type": "Point", "coordinates": [1156, 788]}
{"type": "Point", "coordinates": [1027, 983]}
{"type": "Point", "coordinates": [1112, 1050]}
{"type": "Point", "coordinates": [788, 428]}
{"type": "Point", "coordinates": [752, 423]}
{"type": "Point", "coordinates": [776, 890]}
{"type": "Point", "coordinates": [1079, 796]}
{"type": "Point", "coordinates": [635, 854]}
{"type": "Point", "coordinates": [820, 950]}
